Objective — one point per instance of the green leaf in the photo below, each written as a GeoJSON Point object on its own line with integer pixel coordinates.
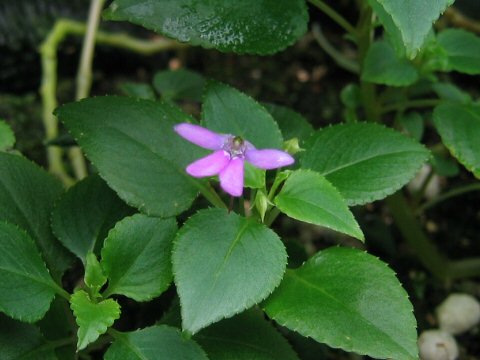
{"type": "Point", "coordinates": [134, 146]}
{"type": "Point", "coordinates": [84, 214]}
{"type": "Point", "coordinates": [138, 90]}
{"type": "Point", "coordinates": [444, 165]}
{"type": "Point", "coordinates": [459, 127]}
{"type": "Point", "coordinates": [412, 123]}
{"type": "Point", "coordinates": [92, 318]}
{"type": "Point", "coordinates": [7, 137]}
{"type": "Point", "coordinates": [179, 84]}
{"type": "Point", "coordinates": [411, 20]}
{"type": "Point", "coordinates": [26, 286]}
{"type": "Point", "coordinates": [245, 337]}
{"type": "Point", "coordinates": [307, 196]}
{"type": "Point", "coordinates": [254, 178]}
{"type": "Point", "coordinates": [94, 276]}
{"type": "Point", "coordinates": [136, 257]}
{"type": "Point", "coordinates": [154, 343]}
{"type": "Point", "coordinates": [23, 341]}
{"type": "Point", "coordinates": [347, 299]}
{"type": "Point", "coordinates": [292, 124]}
{"type": "Point", "coordinates": [451, 92]}
{"type": "Point", "coordinates": [383, 66]}
{"type": "Point", "coordinates": [27, 195]}
{"type": "Point", "coordinates": [229, 111]}
{"type": "Point", "coordinates": [224, 25]}
{"type": "Point", "coordinates": [365, 162]}
{"type": "Point", "coordinates": [223, 264]}
{"type": "Point", "coordinates": [463, 50]}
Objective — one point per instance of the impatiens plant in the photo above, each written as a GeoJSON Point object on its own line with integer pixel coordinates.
{"type": "Point", "coordinates": [181, 209]}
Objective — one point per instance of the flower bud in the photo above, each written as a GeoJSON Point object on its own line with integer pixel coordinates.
{"type": "Point", "coordinates": [292, 146]}
{"type": "Point", "coordinates": [261, 203]}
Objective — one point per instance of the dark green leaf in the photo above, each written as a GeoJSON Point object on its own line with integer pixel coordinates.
{"type": "Point", "coordinates": [85, 213]}
{"type": "Point", "coordinates": [459, 127]}
{"type": "Point", "coordinates": [248, 26]}
{"type": "Point", "coordinates": [463, 50]}
{"type": "Point", "coordinates": [26, 286]}
{"type": "Point", "coordinates": [154, 343]}
{"type": "Point", "coordinates": [223, 264]}
{"type": "Point", "coordinates": [93, 319]}
{"type": "Point", "coordinates": [27, 195]}
{"type": "Point", "coordinates": [347, 299]}
{"type": "Point", "coordinates": [247, 336]}
{"type": "Point", "coordinates": [132, 143]}
{"type": "Point", "coordinates": [412, 123]}
{"type": "Point", "coordinates": [451, 92]}
{"type": "Point", "coordinates": [291, 123]}
{"type": "Point", "coordinates": [179, 84]}
{"type": "Point", "coordinates": [23, 341]}
{"type": "Point", "coordinates": [411, 20]}
{"type": "Point", "coordinates": [383, 66]}
{"type": "Point", "coordinates": [138, 90]}
{"type": "Point", "coordinates": [229, 111]}
{"type": "Point", "coordinates": [444, 166]}
{"type": "Point", "coordinates": [365, 162]}
{"type": "Point", "coordinates": [136, 257]}
{"type": "Point", "coordinates": [7, 137]}
{"type": "Point", "coordinates": [308, 197]}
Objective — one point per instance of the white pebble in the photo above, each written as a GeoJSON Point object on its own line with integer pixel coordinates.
{"type": "Point", "coordinates": [437, 345]}
{"type": "Point", "coordinates": [458, 313]}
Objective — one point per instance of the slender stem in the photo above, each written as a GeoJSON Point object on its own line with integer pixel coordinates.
{"type": "Point", "coordinates": [335, 16]}
{"type": "Point", "coordinates": [340, 59]}
{"type": "Point", "coordinates": [449, 194]}
{"type": "Point", "coordinates": [272, 216]}
{"type": "Point", "coordinates": [426, 251]}
{"type": "Point", "coordinates": [418, 195]}
{"type": "Point", "coordinates": [211, 195]}
{"type": "Point", "coordinates": [60, 291]}
{"type": "Point", "coordinates": [421, 103]}
{"type": "Point", "coordinates": [84, 79]}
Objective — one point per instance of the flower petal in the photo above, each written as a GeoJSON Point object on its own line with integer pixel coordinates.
{"type": "Point", "coordinates": [269, 158]}
{"type": "Point", "coordinates": [200, 136]}
{"type": "Point", "coordinates": [231, 178]}
{"type": "Point", "coordinates": [209, 165]}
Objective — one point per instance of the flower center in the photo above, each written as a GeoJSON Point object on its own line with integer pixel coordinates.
{"type": "Point", "coordinates": [235, 146]}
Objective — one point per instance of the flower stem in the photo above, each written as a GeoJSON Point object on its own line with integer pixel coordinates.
{"type": "Point", "coordinates": [335, 16]}
{"type": "Point", "coordinates": [211, 195]}
{"type": "Point", "coordinates": [421, 103]}
{"type": "Point", "coordinates": [449, 194]}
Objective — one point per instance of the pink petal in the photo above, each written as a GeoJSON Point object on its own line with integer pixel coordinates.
{"type": "Point", "coordinates": [209, 165]}
{"type": "Point", "coordinates": [200, 136]}
{"type": "Point", "coordinates": [269, 158]}
{"type": "Point", "coordinates": [231, 178]}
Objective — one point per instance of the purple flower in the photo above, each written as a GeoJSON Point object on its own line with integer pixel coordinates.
{"type": "Point", "coordinates": [228, 157]}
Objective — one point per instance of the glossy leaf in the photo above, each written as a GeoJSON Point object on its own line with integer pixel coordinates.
{"type": "Point", "coordinates": [92, 318]}
{"type": "Point", "coordinates": [307, 196]}
{"type": "Point", "coordinates": [409, 19]}
{"type": "Point", "coordinates": [26, 286]}
{"type": "Point", "coordinates": [459, 127]}
{"type": "Point", "coordinates": [365, 162]}
{"type": "Point", "coordinates": [181, 84]}
{"type": "Point", "coordinates": [84, 214]}
{"type": "Point", "coordinates": [347, 299]}
{"type": "Point", "coordinates": [383, 66]}
{"type": "Point", "coordinates": [229, 111]}
{"type": "Point", "coordinates": [223, 264]}
{"type": "Point", "coordinates": [154, 343]}
{"type": "Point", "coordinates": [463, 50]}
{"type": "Point", "coordinates": [132, 143]}
{"type": "Point", "coordinates": [136, 257]}
{"type": "Point", "coordinates": [291, 123]}
{"type": "Point", "coordinates": [247, 336]}
{"type": "Point", "coordinates": [27, 195]}
{"type": "Point", "coordinates": [23, 341]}
{"type": "Point", "coordinates": [223, 25]}
{"type": "Point", "coordinates": [7, 137]}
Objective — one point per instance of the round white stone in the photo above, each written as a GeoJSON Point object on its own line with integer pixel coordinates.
{"type": "Point", "coordinates": [437, 345]}
{"type": "Point", "coordinates": [458, 313]}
